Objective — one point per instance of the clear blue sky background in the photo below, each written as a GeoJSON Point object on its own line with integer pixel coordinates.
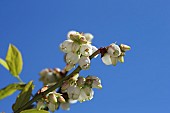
{"type": "Point", "coordinates": [140, 85]}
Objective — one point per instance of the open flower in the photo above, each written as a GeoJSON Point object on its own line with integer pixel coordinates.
{"type": "Point", "coordinates": [86, 93]}
{"type": "Point", "coordinates": [86, 49]}
{"type": "Point", "coordinates": [72, 58]}
{"type": "Point", "coordinates": [114, 50]}
{"type": "Point", "coordinates": [73, 92]}
{"type": "Point", "coordinates": [88, 36]}
{"type": "Point", "coordinates": [84, 62]}
{"type": "Point", "coordinates": [66, 46]}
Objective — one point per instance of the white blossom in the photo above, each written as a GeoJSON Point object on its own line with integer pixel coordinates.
{"type": "Point", "coordinates": [71, 33]}
{"type": "Point", "coordinates": [114, 50]}
{"type": "Point", "coordinates": [72, 58]}
{"type": "Point", "coordinates": [86, 94]}
{"type": "Point", "coordinates": [69, 66]}
{"type": "Point", "coordinates": [40, 104]}
{"type": "Point", "coordinates": [114, 60]}
{"type": "Point", "coordinates": [89, 37]}
{"type": "Point", "coordinates": [52, 97]}
{"type": "Point", "coordinates": [75, 47]}
{"type": "Point", "coordinates": [51, 106]}
{"type": "Point", "coordinates": [86, 49]}
{"type": "Point", "coordinates": [84, 62]}
{"type": "Point", "coordinates": [106, 59]}
{"type": "Point", "coordinates": [71, 101]}
{"type": "Point", "coordinates": [94, 49]}
{"type": "Point", "coordinates": [47, 77]}
{"type": "Point", "coordinates": [81, 81]}
{"type": "Point", "coordinates": [65, 106]}
{"type": "Point", "coordinates": [73, 92]}
{"type": "Point", "coordinates": [66, 46]}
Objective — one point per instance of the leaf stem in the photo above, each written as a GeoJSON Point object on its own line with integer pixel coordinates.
{"type": "Point", "coordinates": [19, 79]}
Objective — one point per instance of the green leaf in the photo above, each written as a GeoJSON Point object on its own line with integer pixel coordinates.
{"type": "Point", "coordinates": [3, 63]}
{"type": "Point", "coordinates": [24, 96]}
{"type": "Point", "coordinates": [14, 60]}
{"type": "Point", "coordinates": [10, 89]}
{"type": "Point", "coordinates": [34, 111]}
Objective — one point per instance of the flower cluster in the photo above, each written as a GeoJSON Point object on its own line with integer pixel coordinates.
{"type": "Point", "coordinates": [78, 48]}
{"type": "Point", "coordinates": [50, 76]}
{"type": "Point", "coordinates": [51, 101]}
{"type": "Point", "coordinates": [80, 88]}
{"type": "Point", "coordinates": [115, 53]}
{"type": "Point", "coordinates": [75, 89]}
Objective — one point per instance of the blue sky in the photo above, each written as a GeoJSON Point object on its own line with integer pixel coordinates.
{"type": "Point", "coordinates": [140, 85]}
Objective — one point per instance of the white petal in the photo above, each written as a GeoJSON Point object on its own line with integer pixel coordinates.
{"type": "Point", "coordinates": [86, 49]}
{"type": "Point", "coordinates": [94, 49]}
{"type": "Point", "coordinates": [106, 59]}
{"type": "Point", "coordinates": [71, 101]}
{"type": "Point", "coordinates": [69, 67]}
{"type": "Point", "coordinates": [89, 37]}
{"type": "Point", "coordinates": [72, 58]}
{"type": "Point", "coordinates": [84, 62]}
{"type": "Point", "coordinates": [51, 106]}
{"type": "Point", "coordinates": [75, 47]}
{"type": "Point", "coordinates": [114, 50]}
{"type": "Point", "coordinates": [71, 32]}
{"type": "Point", "coordinates": [65, 106]}
{"type": "Point", "coordinates": [114, 60]}
{"type": "Point", "coordinates": [66, 46]}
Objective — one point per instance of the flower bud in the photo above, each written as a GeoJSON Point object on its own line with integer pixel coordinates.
{"type": "Point", "coordinates": [69, 66]}
{"type": "Point", "coordinates": [71, 33]}
{"type": "Point", "coordinates": [66, 46]}
{"type": "Point", "coordinates": [114, 50]}
{"type": "Point", "coordinates": [81, 81]}
{"type": "Point", "coordinates": [75, 47]}
{"type": "Point", "coordinates": [83, 40]}
{"type": "Point", "coordinates": [40, 104]}
{"type": "Point", "coordinates": [51, 107]}
{"type": "Point", "coordinates": [44, 72]}
{"type": "Point", "coordinates": [84, 62]}
{"type": "Point", "coordinates": [89, 37]}
{"type": "Point", "coordinates": [61, 99]}
{"type": "Point", "coordinates": [52, 97]}
{"type": "Point", "coordinates": [75, 37]}
{"type": "Point", "coordinates": [73, 92]}
{"type": "Point", "coordinates": [96, 84]}
{"type": "Point", "coordinates": [86, 49]}
{"type": "Point", "coordinates": [114, 60]}
{"type": "Point", "coordinates": [82, 96]}
{"type": "Point", "coordinates": [121, 59]}
{"type": "Point", "coordinates": [65, 106]}
{"type": "Point", "coordinates": [106, 59]}
{"type": "Point", "coordinates": [65, 85]}
{"type": "Point", "coordinates": [124, 47]}
{"type": "Point", "coordinates": [72, 58]}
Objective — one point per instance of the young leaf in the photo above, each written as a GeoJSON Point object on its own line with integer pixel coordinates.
{"type": "Point", "coordinates": [24, 96]}
{"type": "Point", "coordinates": [3, 63]}
{"type": "Point", "coordinates": [14, 60]}
{"type": "Point", "coordinates": [34, 111]}
{"type": "Point", "coordinates": [10, 89]}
